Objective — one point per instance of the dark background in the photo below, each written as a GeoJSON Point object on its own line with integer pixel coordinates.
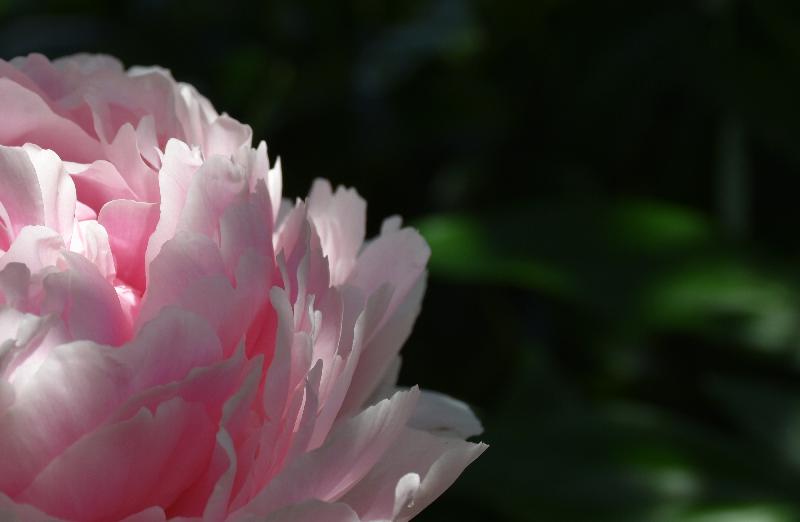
{"type": "Point", "coordinates": [610, 190]}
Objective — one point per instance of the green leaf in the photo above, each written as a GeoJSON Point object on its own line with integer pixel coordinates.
{"type": "Point", "coordinates": [462, 249]}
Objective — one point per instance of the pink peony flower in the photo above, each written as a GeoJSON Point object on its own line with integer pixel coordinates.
{"type": "Point", "coordinates": [179, 343]}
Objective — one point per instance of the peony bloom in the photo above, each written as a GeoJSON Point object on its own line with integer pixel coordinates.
{"type": "Point", "coordinates": [177, 342]}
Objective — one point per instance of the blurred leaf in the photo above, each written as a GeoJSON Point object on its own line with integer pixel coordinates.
{"type": "Point", "coordinates": [726, 297]}
{"type": "Point", "coordinates": [461, 249]}
{"type": "Point", "coordinates": [768, 411]}
{"type": "Point", "coordinates": [656, 225]}
{"type": "Point", "coordinates": [733, 513]}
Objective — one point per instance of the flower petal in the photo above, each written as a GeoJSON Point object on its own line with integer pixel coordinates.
{"type": "Point", "coordinates": [28, 119]}
{"type": "Point", "coordinates": [87, 302]}
{"type": "Point", "coordinates": [443, 415]}
{"type": "Point", "coordinates": [123, 468]}
{"type": "Point", "coordinates": [340, 219]}
{"type": "Point", "coordinates": [129, 225]}
{"type": "Point", "coordinates": [313, 511]}
{"type": "Point", "coordinates": [346, 457]}
{"type": "Point", "coordinates": [418, 468]}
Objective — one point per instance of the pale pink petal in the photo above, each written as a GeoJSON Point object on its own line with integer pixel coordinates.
{"type": "Point", "coordinates": [437, 413]}
{"type": "Point", "coordinates": [208, 497]}
{"type": "Point", "coordinates": [216, 185]}
{"type": "Point", "coordinates": [194, 112]}
{"type": "Point", "coordinates": [255, 165]}
{"type": "Point", "coordinates": [36, 247]}
{"type": "Point", "coordinates": [190, 272]}
{"type": "Point", "coordinates": [98, 183]}
{"type": "Point", "coordinates": [15, 74]}
{"type": "Point", "coordinates": [348, 354]}
{"type": "Point", "coordinates": [87, 302]}
{"type": "Point", "coordinates": [388, 383]}
{"type": "Point", "coordinates": [245, 225]}
{"type": "Point", "coordinates": [129, 225]}
{"type": "Point", "coordinates": [210, 386]}
{"type": "Point", "coordinates": [28, 119]}
{"type": "Point", "coordinates": [84, 212]}
{"type": "Point", "coordinates": [346, 457]}
{"type": "Point", "coordinates": [169, 347]}
{"type": "Point", "coordinates": [11, 511]}
{"type": "Point", "coordinates": [91, 241]}
{"type": "Point", "coordinates": [20, 194]}
{"type": "Point", "coordinates": [123, 99]}
{"type": "Point", "coordinates": [417, 469]}
{"type": "Point", "coordinates": [147, 138]}
{"type": "Point", "coordinates": [123, 468]}
{"type": "Point", "coordinates": [70, 393]}
{"type": "Point", "coordinates": [397, 258]}
{"type": "Point", "coordinates": [14, 281]}
{"type": "Point", "coordinates": [26, 342]}
{"type": "Point", "coordinates": [152, 514]}
{"type": "Point", "coordinates": [275, 185]}
{"type": "Point", "coordinates": [211, 494]}
{"type": "Point", "coordinates": [391, 224]}
{"type": "Point", "coordinates": [288, 239]}
{"type": "Point", "coordinates": [7, 396]}
{"type": "Point", "coordinates": [310, 511]}
{"type": "Point", "coordinates": [225, 135]}
{"type": "Point", "coordinates": [81, 384]}
{"type": "Point", "coordinates": [177, 170]}
{"type": "Point", "coordinates": [124, 153]}
{"type": "Point", "coordinates": [57, 190]}
{"type": "Point", "coordinates": [382, 347]}
{"type": "Point", "coordinates": [340, 220]}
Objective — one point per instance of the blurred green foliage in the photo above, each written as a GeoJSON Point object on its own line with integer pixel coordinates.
{"type": "Point", "coordinates": [610, 192]}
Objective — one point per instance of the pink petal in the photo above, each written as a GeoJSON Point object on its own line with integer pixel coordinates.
{"type": "Point", "coordinates": [275, 185]}
{"type": "Point", "coordinates": [11, 511]}
{"type": "Point", "coordinates": [124, 153]}
{"type": "Point", "coordinates": [397, 258]}
{"type": "Point", "coordinates": [246, 226]}
{"type": "Point", "coordinates": [208, 497]}
{"type": "Point", "coordinates": [194, 112]}
{"type": "Point", "coordinates": [413, 473]}
{"type": "Point", "coordinates": [70, 393]}
{"type": "Point", "coordinates": [79, 385]}
{"type": "Point", "coordinates": [36, 247]}
{"type": "Point", "coordinates": [189, 272]}
{"type": "Point", "coordinates": [123, 468]}
{"type": "Point", "coordinates": [225, 135]}
{"type": "Point", "coordinates": [28, 119]}
{"type": "Point", "coordinates": [310, 511]}
{"type": "Point", "coordinates": [129, 225]}
{"type": "Point", "coordinates": [28, 339]}
{"type": "Point", "coordinates": [14, 281]}
{"type": "Point", "coordinates": [98, 183]}
{"type": "Point", "coordinates": [437, 413]}
{"type": "Point", "coordinates": [211, 494]}
{"type": "Point", "coordinates": [20, 195]}
{"type": "Point", "coordinates": [382, 347]}
{"type": "Point", "coordinates": [215, 186]}
{"type": "Point", "coordinates": [346, 457]}
{"type": "Point", "coordinates": [169, 347]}
{"type": "Point", "coordinates": [57, 190]}
{"type": "Point", "coordinates": [91, 241]}
{"type": "Point", "coordinates": [152, 514]}
{"type": "Point", "coordinates": [87, 302]}
{"type": "Point", "coordinates": [8, 70]}
{"type": "Point", "coordinates": [177, 170]}
{"type": "Point", "coordinates": [7, 396]}
{"type": "Point", "coordinates": [340, 220]}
